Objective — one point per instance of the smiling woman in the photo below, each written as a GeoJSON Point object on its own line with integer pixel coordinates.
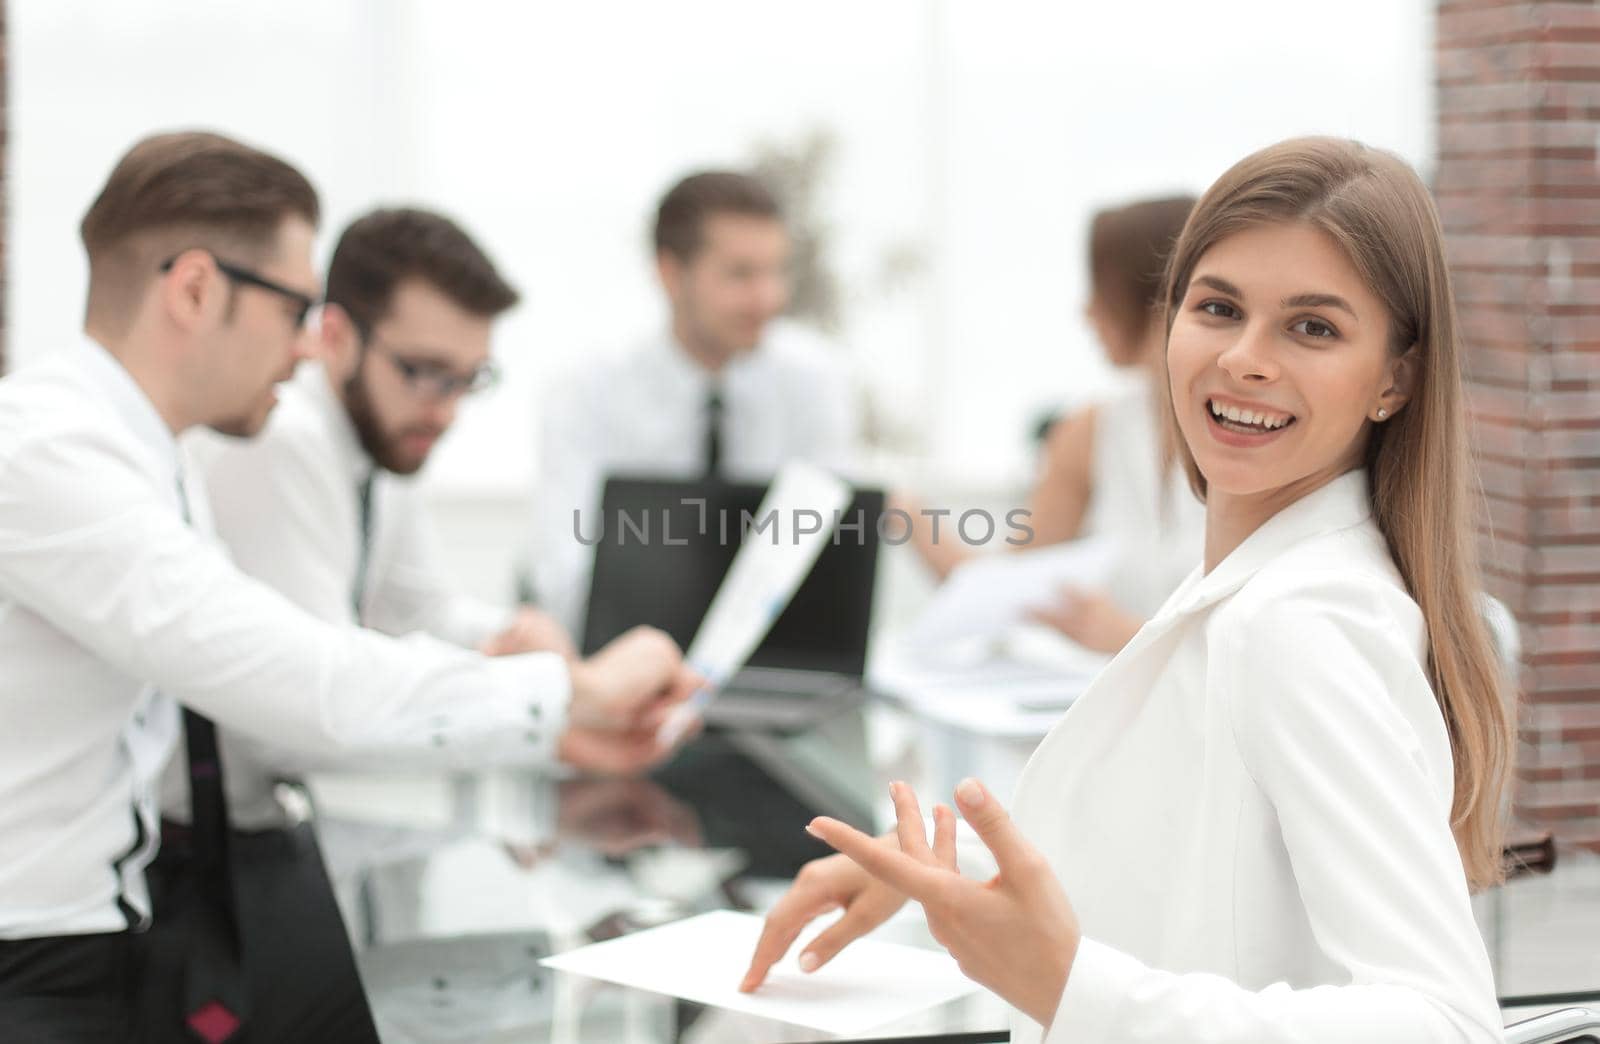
{"type": "Point", "coordinates": [1366, 326]}
{"type": "Point", "coordinates": [1267, 390]}
{"type": "Point", "coordinates": [1262, 820]}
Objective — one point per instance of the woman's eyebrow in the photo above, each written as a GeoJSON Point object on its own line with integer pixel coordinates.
{"type": "Point", "coordinates": [1220, 284]}
{"type": "Point", "coordinates": [1297, 301]}
{"type": "Point", "coordinates": [1319, 301]}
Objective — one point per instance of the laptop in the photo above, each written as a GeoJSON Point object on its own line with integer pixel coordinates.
{"type": "Point", "coordinates": [663, 548]}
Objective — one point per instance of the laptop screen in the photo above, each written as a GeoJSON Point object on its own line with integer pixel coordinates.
{"type": "Point", "coordinates": [667, 544]}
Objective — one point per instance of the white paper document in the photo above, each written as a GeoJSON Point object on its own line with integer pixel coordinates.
{"type": "Point", "coordinates": [793, 524]}
{"type": "Point", "coordinates": [1003, 698]}
{"type": "Point", "coordinates": [990, 594]}
{"type": "Point", "coordinates": [702, 959]}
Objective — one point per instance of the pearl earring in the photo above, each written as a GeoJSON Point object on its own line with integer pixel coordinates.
{"type": "Point", "coordinates": [1382, 413]}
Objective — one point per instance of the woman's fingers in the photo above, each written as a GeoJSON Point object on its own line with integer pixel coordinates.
{"type": "Point", "coordinates": [944, 838]}
{"type": "Point", "coordinates": [911, 832]}
{"type": "Point", "coordinates": [895, 869]}
{"type": "Point", "coordinates": [1012, 851]}
{"type": "Point", "coordinates": [853, 925]}
{"type": "Point", "coordinates": [788, 917]}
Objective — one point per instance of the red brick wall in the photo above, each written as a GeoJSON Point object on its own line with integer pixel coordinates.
{"type": "Point", "coordinates": [1518, 185]}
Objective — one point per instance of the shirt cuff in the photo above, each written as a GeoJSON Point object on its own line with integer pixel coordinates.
{"type": "Point", "coordinates": [1098, 985]}
{"type": "Point", "coordinates": [528, 718]}
{"type": "Point", "coordinates": [548, 688]}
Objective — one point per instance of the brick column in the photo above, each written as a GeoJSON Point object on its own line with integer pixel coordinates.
{"type": "Point", "coordinates": [1518, 185]}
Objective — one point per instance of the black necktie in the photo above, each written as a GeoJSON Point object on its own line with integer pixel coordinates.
{"type": "Point", "coordinates": [713, 432]}
{"type": "Point", "coordinates": [358, 586]}
{"type": "Point", "coordinates": [214, 990]}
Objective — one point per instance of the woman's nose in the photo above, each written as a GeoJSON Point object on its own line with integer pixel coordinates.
{"type": "Point", "coordinates": [1252, 356]}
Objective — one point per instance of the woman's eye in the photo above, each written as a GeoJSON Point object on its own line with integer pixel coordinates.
{"type": "Point", "coordinates": [1220, 309]}
{"type": "Point", "coordinates": [1314, 328]}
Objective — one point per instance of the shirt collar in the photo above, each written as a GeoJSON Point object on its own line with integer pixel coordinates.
{"type": "Point", "coordinates": [690, 377]}
{"type": "Point", "coordinates": [132, 407]}
{"type": "Point", "coordinates": [1340, 504]}
{"type": "Point", "coordinates": [313, 378]}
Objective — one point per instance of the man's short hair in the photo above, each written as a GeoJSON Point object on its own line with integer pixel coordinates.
{"type": "Point", "coordinates": [173, 192]}
{"type": "Point", "coordinates": [386, 247]}
{"type": "Point", "coordinates": [684, 210]}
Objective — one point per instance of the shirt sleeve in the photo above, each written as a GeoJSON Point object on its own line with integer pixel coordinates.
{"type": "Point", "coordinates": [1330, 710]}
{"type": "Point", "coordinates": [455, 742]}
{"type": "Point", "coordinates": [86, 543]}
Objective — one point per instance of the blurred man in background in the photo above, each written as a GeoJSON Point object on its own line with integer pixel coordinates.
{"type": "Point", "coordinates": [725, 392]}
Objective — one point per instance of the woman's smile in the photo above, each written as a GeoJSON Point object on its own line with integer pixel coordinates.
{"type": "Point", "coordinates": [1235, 422]}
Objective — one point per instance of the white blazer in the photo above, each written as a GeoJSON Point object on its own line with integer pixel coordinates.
{"type": "Point", "coordinates": [1249, 810]}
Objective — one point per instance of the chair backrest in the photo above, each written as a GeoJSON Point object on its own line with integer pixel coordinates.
{"type": "Point", "coordinates": [1566, 1026]}
{"type": "Point", "coordinates": [1507, 638]}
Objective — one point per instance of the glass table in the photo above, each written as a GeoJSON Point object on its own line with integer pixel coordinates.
{"type": "Point", "coordinates": [454, 887]}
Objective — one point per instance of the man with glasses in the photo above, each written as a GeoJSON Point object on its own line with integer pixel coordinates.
{"type": "Point", "coordinates": [322, 507]}
{"type": "Point", "coordinates": [301, 301]}
{"type": "Point", "coordinates": [124, 628]}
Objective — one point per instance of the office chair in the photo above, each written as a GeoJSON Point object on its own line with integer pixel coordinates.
{"type": "Point", "coordinates": [1566, 1026]}
{"type": "Point", "coordinates": [1528, 850]}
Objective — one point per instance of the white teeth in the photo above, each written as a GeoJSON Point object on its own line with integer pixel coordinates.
{"type": "Point", "coordinates": [1256, 418]}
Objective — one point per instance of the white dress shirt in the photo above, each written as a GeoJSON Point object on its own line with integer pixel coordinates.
{"type": "Point", "coordinates": [112, 607]}
{"type": "Point", "coordinates": [1249, 810]}
{"type": "Point", "coordinates": [644, 413]}
{"type": "Point", "coordinates": [287, 506]}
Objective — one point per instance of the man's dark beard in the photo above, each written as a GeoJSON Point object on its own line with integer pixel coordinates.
{"type": "Point", "coordinates": [358, 404]}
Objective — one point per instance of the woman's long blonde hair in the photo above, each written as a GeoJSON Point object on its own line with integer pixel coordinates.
{"type": "Point", "coordinates": [1377, 209]}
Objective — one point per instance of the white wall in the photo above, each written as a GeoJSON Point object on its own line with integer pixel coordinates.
{"type": "Point", "coordinates": [985, 133]}
{"type": "Point", "coordinates": [88, 79]}
{"type": "Point", "coordinates": [1057, 108]}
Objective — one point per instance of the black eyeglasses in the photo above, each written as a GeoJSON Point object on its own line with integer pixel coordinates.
{"type": "Point", "coordinates": [302, 302]}
{"type": "Point", "coordinates": [432, 381]}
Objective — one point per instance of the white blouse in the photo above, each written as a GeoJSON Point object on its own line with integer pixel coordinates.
{"type": "Point", "coordinates": [1249, 810]}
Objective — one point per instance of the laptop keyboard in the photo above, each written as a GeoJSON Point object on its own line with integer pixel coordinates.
{"type": "Point", "coordinates": [772, 680]}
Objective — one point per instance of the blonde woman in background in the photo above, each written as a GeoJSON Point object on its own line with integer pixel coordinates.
{"type": "Point", "coordinates": [1106, 469]}
{"type": "Point", "coordinates": [1262, 820]}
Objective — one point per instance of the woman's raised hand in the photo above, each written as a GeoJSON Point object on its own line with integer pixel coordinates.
{"type": "Point", "coordinates": [1015, 933]}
